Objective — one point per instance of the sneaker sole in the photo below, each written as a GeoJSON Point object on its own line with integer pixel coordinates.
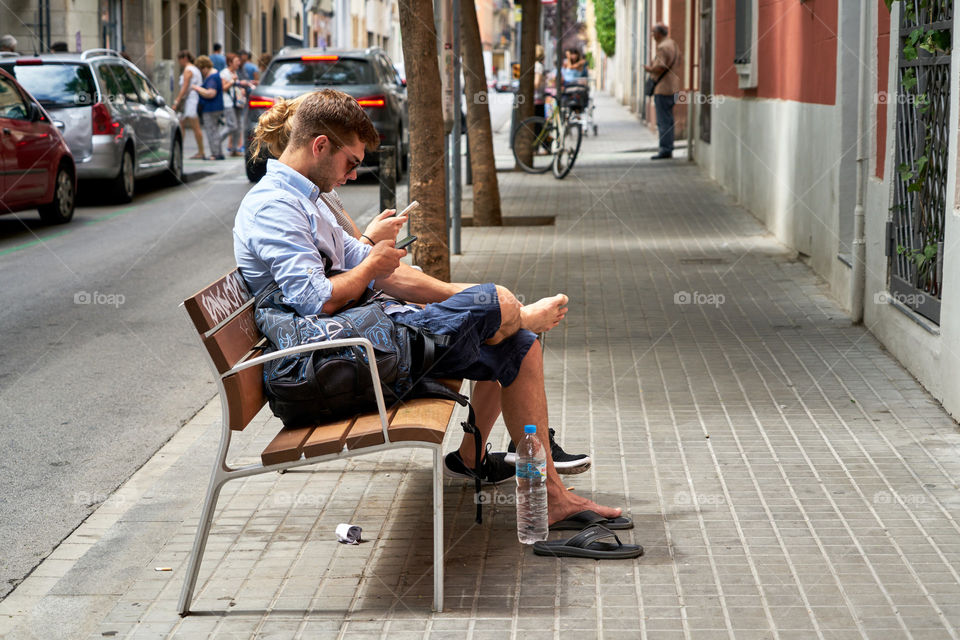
{"type": "Point", "coordinates": [570, 467]}
{"type": "Point", "coordinates": [449, 473]}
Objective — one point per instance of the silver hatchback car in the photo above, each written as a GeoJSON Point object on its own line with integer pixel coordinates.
{"type": "Point", "coordinates": [116, 124]}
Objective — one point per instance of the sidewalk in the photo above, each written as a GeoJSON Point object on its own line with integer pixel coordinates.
{"type": "Point", "coordinates": [788, 479]}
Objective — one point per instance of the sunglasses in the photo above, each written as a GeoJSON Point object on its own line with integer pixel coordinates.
{"type": "Point", "coordinates": [355, 162]}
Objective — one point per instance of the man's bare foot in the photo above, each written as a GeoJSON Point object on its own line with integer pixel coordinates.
{"type": "Point", "coordinates": [564, 505]}
{"type": "Point", "coordinates": [544, 314]}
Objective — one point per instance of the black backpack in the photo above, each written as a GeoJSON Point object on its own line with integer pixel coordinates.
{"type": "Point", "coordinates": [335, 383]}
{"type": "Point", "coordinates": [330, 384]}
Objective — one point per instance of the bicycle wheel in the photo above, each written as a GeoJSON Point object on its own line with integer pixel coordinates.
{"type": "Point", "coordinates": [533, 144]}
{"type": "Point", "coordinates": [568, 150]}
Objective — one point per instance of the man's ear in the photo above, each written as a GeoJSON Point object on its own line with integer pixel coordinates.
{"type": "Point", "coordinates": [319, 144]}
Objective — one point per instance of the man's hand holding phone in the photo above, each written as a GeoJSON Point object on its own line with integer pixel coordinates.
{"type": "Point", "coordinates": [387, 225]}
{"type": "Point", "coordinates": [384, 259]}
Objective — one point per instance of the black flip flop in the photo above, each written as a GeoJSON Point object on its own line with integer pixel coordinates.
{"type": "Point", "coordinates": [586, 544]}
{"type": "Point", "coordinates": [584, 519]}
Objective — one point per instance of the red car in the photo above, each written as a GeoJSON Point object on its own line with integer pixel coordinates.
{"type": "Point", "coordinates": [36, 166]}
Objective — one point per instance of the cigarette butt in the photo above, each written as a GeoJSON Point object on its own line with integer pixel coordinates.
{"type": "Point", "coordinates": [571, 488]}
{"type": "Point", "coordinates": [163, 568]}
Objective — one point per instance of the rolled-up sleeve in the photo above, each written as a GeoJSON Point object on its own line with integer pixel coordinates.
{"type": "Point", "coordinates": [281, 237]}
{"type": "Point", "coordinates": [354, 251]}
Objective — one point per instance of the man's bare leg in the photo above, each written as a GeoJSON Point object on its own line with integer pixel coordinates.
{"type": "Point", "coordinates": [525, 402]}
{"type": "Point", "coordinates": [486, 408]}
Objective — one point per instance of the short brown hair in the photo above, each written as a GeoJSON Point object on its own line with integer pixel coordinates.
{"type": "Point", "coordinates": [203, 62]}
{"type": "Point", "coordinates": [328, 113]}
{"type": "Point", "coordinates": [185, 54]}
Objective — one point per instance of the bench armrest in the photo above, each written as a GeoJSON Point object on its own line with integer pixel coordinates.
{"type": "Point", "coordinates": [328, 344]}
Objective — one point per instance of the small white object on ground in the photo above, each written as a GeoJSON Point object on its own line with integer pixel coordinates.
{"type": "Point", "coordinates": [348, 533]}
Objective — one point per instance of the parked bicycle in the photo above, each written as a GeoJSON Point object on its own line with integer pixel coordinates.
{"type": "Point", "coordinates": [540, 144]}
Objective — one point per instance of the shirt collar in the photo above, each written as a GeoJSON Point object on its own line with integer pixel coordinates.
{"type": "Point", "coordinates": [293, 178]}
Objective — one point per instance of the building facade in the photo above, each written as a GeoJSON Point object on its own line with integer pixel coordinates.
{"type": "Point", "coordinates": [836, 125]}
{"type": "Point", "coordinates": [152, 33]}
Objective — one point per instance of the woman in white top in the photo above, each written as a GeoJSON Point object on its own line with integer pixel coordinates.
{"type": "Point", "coordinates": [189, 99]}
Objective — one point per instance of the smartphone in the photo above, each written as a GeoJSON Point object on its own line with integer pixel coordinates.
{"type": "Point", "coordinates": [406, 242]}
{"type": "Point", "coordinates": [410, 207]}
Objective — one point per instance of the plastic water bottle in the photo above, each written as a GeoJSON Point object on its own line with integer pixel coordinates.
{"type": "Point", "coordinates": [531, 488]}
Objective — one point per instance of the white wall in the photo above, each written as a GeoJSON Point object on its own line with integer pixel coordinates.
{"type": "Point", "coordinates": [777, 158]}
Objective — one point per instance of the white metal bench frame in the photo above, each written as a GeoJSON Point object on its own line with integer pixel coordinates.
{"type": "Point", "coordinates": [223, 472]}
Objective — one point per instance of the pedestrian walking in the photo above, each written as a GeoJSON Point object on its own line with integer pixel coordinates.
{"type": "Point", "coordinates": [188, 99]}
{"type": "Point", "coordinates": [248, 70]}
{"type": "Point", "coordinates": [232, 104]}
{"type": "Point", "coordinates": [217, 58]}
{"type": "Point", "coordinates": [8, 43]}
{"type": "Point", "coordinates": [211, 106]}
{"type": "Point", "coordinates": [665, 83]}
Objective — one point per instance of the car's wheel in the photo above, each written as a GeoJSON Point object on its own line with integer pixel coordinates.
{"type": "Point", "coordinates": [175, 168]}
{"type": "Point", "coordinates": [60, 209]}
{"type": "Point", "coordinates": [398, 155]}
{"type": "Point", "coordinates": [123, 184]}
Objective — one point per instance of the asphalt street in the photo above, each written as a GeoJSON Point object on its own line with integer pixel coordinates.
{"type": "Point", "coordinates": [98, 366]}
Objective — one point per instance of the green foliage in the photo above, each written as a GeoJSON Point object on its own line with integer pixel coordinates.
{"type": "Point", "coordinates": [922, 259]}
{"type": "Point", "coordinates": [606, 25]}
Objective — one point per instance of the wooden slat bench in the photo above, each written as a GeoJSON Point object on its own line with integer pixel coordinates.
{"type": "Point", "coordinates": [222, 316]}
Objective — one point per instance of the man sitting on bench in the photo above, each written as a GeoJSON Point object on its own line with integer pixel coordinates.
{"type": "Point", "coordinates": [282, 236]}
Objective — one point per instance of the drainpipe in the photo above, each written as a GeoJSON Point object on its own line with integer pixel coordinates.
{"type": "Point", "coordinates": [858, 273]}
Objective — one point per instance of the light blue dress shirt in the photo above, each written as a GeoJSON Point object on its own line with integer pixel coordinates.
{"type": "Point", "coordinates": [280, 233]}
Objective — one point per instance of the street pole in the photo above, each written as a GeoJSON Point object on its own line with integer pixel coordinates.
{"type": "Point", "coordinates": [306, 26]}
{"type": "Point", "coordinates": [456, 188]}
{"type": "Point", "coordinates": [559, 31]}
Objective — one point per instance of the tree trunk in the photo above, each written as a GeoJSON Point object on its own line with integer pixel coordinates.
{"type": "Point", "coordinates": [528, 44]}
{"type": "Point", "coordinates": [427, 170]}
{"type": "Point", "coordinates": [486, 191]}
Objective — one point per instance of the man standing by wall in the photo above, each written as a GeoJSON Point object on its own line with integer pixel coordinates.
{"type": "Point", "coordinates": [664, 69]}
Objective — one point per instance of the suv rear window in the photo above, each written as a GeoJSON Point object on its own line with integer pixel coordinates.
{"type": "Point", "coordinates": [296, 72]}
{"type": "Point", "coordinates": [58, 85]}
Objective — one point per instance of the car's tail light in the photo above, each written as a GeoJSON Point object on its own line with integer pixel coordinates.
{"type": "Point", "coordinates": [323, 58]}
{"type": "Point", "coordinates": [23, 62]}
{"type": "Point", "coordinates": [259, 102]}
{"type": "Point", "coordinates": [372, 101]}
{"type": "Point", "coordinates": [102, 120]}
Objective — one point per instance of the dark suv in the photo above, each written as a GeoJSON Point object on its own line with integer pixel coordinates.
{"type": "Point", "coordinates": [367, 75]}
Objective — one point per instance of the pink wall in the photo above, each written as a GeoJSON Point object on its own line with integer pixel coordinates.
{"type": "Point", "coordinates": [796, 51]}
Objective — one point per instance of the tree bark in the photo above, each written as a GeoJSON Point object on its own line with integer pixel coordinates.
{"type": "Point", "coordinates": [431, 251]}
{"type": "Point", "coordinates": [529, 23]}
{"type": "Point", "coordinates": [486, 190]}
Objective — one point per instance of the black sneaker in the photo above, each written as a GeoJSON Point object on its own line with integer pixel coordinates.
{"type": "Point", "coordinates": [493, 470]}
{"type": "Point", "coordinates": [569, 463]}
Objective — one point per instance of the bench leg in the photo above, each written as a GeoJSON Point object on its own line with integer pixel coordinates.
{"type": "Point", "coordinates": [200, 541]}
{"type": "Point", "coordinates": [438, 529]}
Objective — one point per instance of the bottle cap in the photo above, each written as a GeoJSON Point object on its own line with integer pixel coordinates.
{"type": "Point", "coordinates": [530, 428]}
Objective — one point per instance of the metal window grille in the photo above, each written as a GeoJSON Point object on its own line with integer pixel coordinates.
{"type": "Point", "coordinates": [706, 66]}
{"type": "Point", "coordinates": [918, 215]}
